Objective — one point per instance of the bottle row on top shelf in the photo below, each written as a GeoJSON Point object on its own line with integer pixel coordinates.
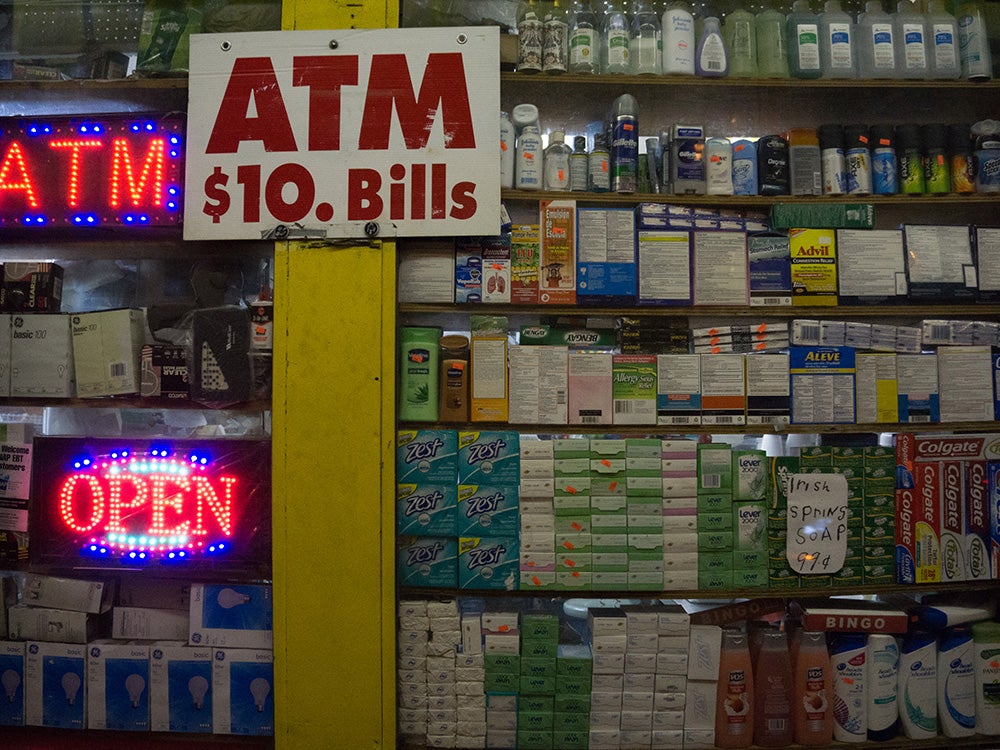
{"type": "Point", "coordinates": [909, 43]}
{"type": "Point", "coordinates": [680, 255]}
{"type": "Point", "coordinates": [501, 510]}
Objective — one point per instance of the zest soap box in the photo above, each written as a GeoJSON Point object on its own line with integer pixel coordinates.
{"type": "Point", "coordinates": [426, 509]}
{"type": "Point", "coordinates": [427, 456]}
{"type": "Point", "coordinates": [487, 509]}
{"type": "Point", "coordinates": [486, 457]}
{"type": "Point", "coordinates": [428, 561]}
{"type": "Point", "coordinates": [488, 562]}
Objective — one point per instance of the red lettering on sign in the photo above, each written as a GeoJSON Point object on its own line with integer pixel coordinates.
{"type": "Point", "coordinates": [251, 77]}
{"type": "Point", "coordinates": [465, 203]}
{"type": "Point", "coordinates": [325, 75]}
{"type": "Point", "coordinates": [75, 146]}
{"type": "Point", "coordinates": [443, 85]}
{"type": "Point", "coordinates": [363, 201]}
{"type": "Point", "coordinates": [151, 175]}
{"type": "Point", "coordinates": [14, 158]}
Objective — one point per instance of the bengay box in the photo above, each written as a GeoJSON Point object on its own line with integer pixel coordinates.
{"type": "Point", "coordinates": [242, 681]}
{"type": "Point", "coordinates": [180, 690]}
{"type": "Point", "coordinates": [118, 686]}
{"type": "Point", "coordinates": [232, 615]}
{"type": "Point", "coordinates": [12, 673]}
{"type": "Point", "coordinates": [55, 685]}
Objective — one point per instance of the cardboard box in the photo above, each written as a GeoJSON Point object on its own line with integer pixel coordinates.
{"type": "Point", "coordinates": [634, 388]}
{"type": "Point", "coordinates": [141, 623]}
{"type": "Point", "coordinates": [488, 359]}
{"type": "Point", "coordinates": [54, 625]}
{"type": "Point", "coordinates": [180, 688]}
{"type": "Point", "coordinates": [590, 388]}
{"type": "Point", "coordinates": [164, 372]}
{"type": "Point", "coordinates": [488, 563]}
{"type": "Point", "coordinates": [118, 686]}
{"type": "Point", "coordinates": [41, 357]}
{"type": "Point", "coordinates": [524, 264]}
{"type": "Point", "coordinates": [234, 616]}
{"type": "Point", "coordinates": [665, 268]}
{"type": "Point", "coordinates": [106, 351]}
{"type": "Point", "coordinates": [12, 658]}
{"type": "Point", "coordinates": [243, 701]}
{"type": "Point", "coordinates": [814, 266]}
{"type": "Point", "coordinates": [426, 271]}
{"type": "Point", "coordinates": [68, 593]}
{"type": "Point", "coordinates": [606, 256]}
{"type": "Point", "coordinates": [557, 278]}
{"type": "Point", "coordinates": [5, 342]}
{"type": "Point", "coordinates": [31, 287]}
{"type": "Point", "coordinates": [55, 685]}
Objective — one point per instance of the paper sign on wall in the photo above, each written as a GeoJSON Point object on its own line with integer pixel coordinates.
{"type": "Point", "coordinates": [327, 133]}
{"type": "Point", "coordinates": [817, 523]}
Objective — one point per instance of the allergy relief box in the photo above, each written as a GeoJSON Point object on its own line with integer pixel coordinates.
{"type": "Point", "coordinates": [180, 690]}
{"type": "Point", "coordinates": [118, 685]}
{"type": "Point", "coordinates": [55, 678]}
{"type": "Point", "coordinates": [242, 681]}
{"type": "Point", "coordinates": [232, 615]}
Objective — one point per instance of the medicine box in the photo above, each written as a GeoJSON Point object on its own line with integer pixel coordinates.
{"type": "Point", "coordinates": [242, 681]}
{"type": "Point", "coordinates": [107, 347]}
{"type": "Point", "coordinates": [12, 655]}
{"type": "Point", "coordinates": [41, 357]}
{"type": "Point", "coordinates": [55, 679]}
{"type": "Point", "coordinates": [118, 686]}
{"type": "Point", "coordinates": [232, 615]}
{"type": "Point", "coordinates": [180, 691]}
{"type": "Point", "coordinates": [557, 267]}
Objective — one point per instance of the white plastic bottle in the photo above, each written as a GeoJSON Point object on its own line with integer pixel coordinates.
{"type": "Point", "coordinates": [986, 639]}
{"type": "Point", "coordinates": [678, 40]}
{"type": "Point", "coordinates": [876, 48]}
{"type": "Point", "coordinates": [506, 151]}
{"type": "Point", "coordinates": [942, 37]}
{"type": "Point", "coordinates": [837, 55]}
{"type": "Point", "coordinates": [956, 685]}
{"type": "Point", "coordinates": [556, 162]}
{"type": "Point", "coordinates": [883, 677]}
{"type": "Point", "coordinates": [850, 687]}
{"type": "Point", "coordinates": [911, 41]}
{"type": "Point", "coordinates": [529, 162]}
{"type": "Point", "coordinates": [917, 693]}
{"type": "Point", "coordinates": [711, 58]}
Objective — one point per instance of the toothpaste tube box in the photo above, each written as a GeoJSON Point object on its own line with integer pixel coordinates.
{"type": "Point", "coordinates": [55, 685]}
{"type": "Point", "coordinates": [427, 456]}
{"type": "Point", "coordinates": [12, 657]}
{"type": "Point", "coordinates": [118, 686]}
{"type": "Point", "coordinates": [489, 457]}
{"type": "Point", "coordinates": [994, 489]}
{"type": "Point", "coordinates": [243, 702]}
{"type": "Point", "coordinates": [918, 527]}
{"type": "Point", "coordinates": [428, 561]}
{"type": "Point", "coordinates": [487, 509]}
{"type": "Point", "coordinates": [488, 562]}
{"type": "Point", "coordinates": [977, 521]}
{"type": "Point", "coordinates": [232, 615]}
{"type": "Point", "coordinates": [180, 687]}
{"type": "Point", "coordinates": [426, 509]}
{"type": "Point", "coordinates": [952, 515]}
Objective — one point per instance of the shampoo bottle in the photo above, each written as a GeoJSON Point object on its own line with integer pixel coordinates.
{"type": "Point", "coordinates": [454, 379]}
{"type": "Point", "coordinates": [956, 685]}
{"type": "Point", "coordinates": [986, 657]}
{"type": "Point", "coordinates": [837, 54]}
{"type": "Point", "coordinates": [772, 44]}
{"type": "Point", "coordinates": [942, 37]}
{"type": "Point", "coordinates": [711, 58]}
{"type": "Point", "coordinates": [911, 41]}
{"type": "Point", "coordinates": [883, 676]}
{"type": "Point", "coordinates": [734, 706]}
{"type": "Point", "coordinates": [813, 699]}
{"type": "Point", "coordinates": [740, 34]}
{"type": "Point", "coordinates": [774, 691]}
{"type": "Point", "coordinates": [917, 692]}
{"type": "Point", "coordinates": [678, 40]}
{"type": "Point", "coordinates": [876, 48]}
{"type": "Point", "coordinates": [803, 41]}
{"type": "Point", "coordinates": [848, 658]}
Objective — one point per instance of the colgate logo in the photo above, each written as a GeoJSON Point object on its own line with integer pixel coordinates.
{"type": "Point", "coordinates": [479, 558]}
{"type": "Point", "coordinates": [484, 504]}
{"type": "Point", "coordinates": [423, 451]}
{"type": "Point", "coordinates": [423, 503]}
{"type": "Point", "coordinates": [976, 492]}
{"type": "Point", "coordinates": [952, 496]}
{"type": "Point", "coordinates": [905, 514]}
{"type": "Point", "coordinates": [485, 451]}
{"type": "Point", "coordinates": [423, 555]}
{"type": "Point", "coordinates": [943, 447]}
{"type": "Point", "coordinates": [928, 480]}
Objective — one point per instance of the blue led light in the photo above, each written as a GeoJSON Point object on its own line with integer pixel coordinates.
{"type": "Point", "coordinates": [175, 140]}
{"type": "Point", "coordinates": [143, 219]}
{"type": "Point", "coordinates": [174, 153]}
{"type": "Point", "coordinates": [171, 206]}
{"type": "Point", "coordinates": [173, 190]}
{"type": "Point", "coordinates": [134, 127]}
{"type": "Point", "coordinates": [84, 129]}
{"type": "Point", "coordinates": [150, 126]}
{"type": "Point", "coordinates": [85, 219]}
{"type": "Point", "coordinates": [35, 219]}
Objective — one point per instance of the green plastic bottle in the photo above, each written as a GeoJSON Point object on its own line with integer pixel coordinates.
{"type": "Point", "coordinates": [418, 377]}
{"type": "Point", "coordinates": [772, 44]}
{"type": "Point", "coordinates": [803, 41]}
{"type": "Point", "coordinates": [740, 34]}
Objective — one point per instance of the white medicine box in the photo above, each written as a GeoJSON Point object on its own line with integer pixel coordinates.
{"type": "Point", "coordinates": [41, 356]}
{"type": "Point", "coordinates": [106, 351]}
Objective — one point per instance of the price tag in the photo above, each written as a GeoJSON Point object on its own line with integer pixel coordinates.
{"type": "Point", "coordinates": [817, 523]}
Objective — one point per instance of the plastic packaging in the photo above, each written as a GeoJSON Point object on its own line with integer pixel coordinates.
{"type": "Point", "coordinates": [956, 684]}
{"type": "Point", "coordinates": [838, 58]}
{"type": "Point", "coordinates": [803, 41]}
{"type": "Point", "coordinates": [734, 706]}
{"type": "Point", "coordinates": [687, 168]}
{"type": "Point", "coordinates": [645, 40]}
{"type": "Point", "coordinates": [876, 46]}
{"type": "Point", "coordinates": [934, 152]}
{"type": "Point", "coordinates": [529, 37]}
{"type": "Point", "coordinates": [718, 166]}
{"type": "Point", "coordinates": [908, 155]}
{"type": "Point", "coordinates": [529, 162]}
{"type": "Point", "coordinates": [883, 677]}
{"type": "Point", "coordinates": [813, 703]}
{"type": "Point", "coordinates": [578, 165]}
{"type": "Point", "coordinates": [454, 379]}
{"type": "Point", "coordinates": [942, 36]}
{"type": "Point", "coordinates": [986, 657]}
{"type": "Point", "coordinates": [739, 31]}
{"type": "Point", "coordinates": [744, 167]}
{"type": "Point", "coordinates": [556, 162]}
{"type": "Point", "coordinates": [711, 58]}
{"type": "Point", "coordinates": [834, 163]}
{"type": "Point", "coordinates": [804, 164]}
{"type": "Point", "coordinates": [506, 151]}
{"type": "Point", "coordinates": [584, 39]}
{"type": "Point", "coordinates": [848, 657]}
{"type": "Point", "coordinates": [772, 44]}
{"type": "Point", "coordinates": [857, 152]}
{"type": "Point", "coordinates": [418, 375]}
{"type": "Point", "coordinates": [911, 41]}
{"type": "Point", "coordinates": [555, 39]}
{"type": "Point", "coordinates": [678, 40]}
{"type": "Point", "coordinates": [624, 126]}
{"type": "Point", "coordinates": [772, 165]}
{"type": "Point", "coordinates": [973, 42]}
{"type": "Point", "coordinates": [615, 40]}
{"type": "Point", "coordinates": [885, 169]}
{"type": "Point", "coordinates": [599, 166]}
{"type": "Point", "coordinates": [917, 694]}
{"type": "Point", "coordinates": [987, 155]}
{"type": "Point", "coordinates": [774, 691]}
{"type": "Point", "coordinates": [960, 157]}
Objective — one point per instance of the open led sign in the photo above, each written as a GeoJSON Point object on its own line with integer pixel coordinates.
{"type": "Point", "coordinates": [114, 170]}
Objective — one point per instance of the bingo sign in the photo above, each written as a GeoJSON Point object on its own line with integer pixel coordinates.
{"type": "Point", "coordinates": [344, 133]}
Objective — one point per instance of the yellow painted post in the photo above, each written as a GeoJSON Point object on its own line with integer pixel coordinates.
{"type": "Point", "coordinates": [333, 454]}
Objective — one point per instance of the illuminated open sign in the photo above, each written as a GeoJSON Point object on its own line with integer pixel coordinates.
{"type": "Point", "coordinates": [114, 170]}
{"type": "Point", "coordinates": [137, 502]}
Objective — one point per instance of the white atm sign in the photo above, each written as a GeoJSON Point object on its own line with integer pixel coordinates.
{"type": "Point", "coordinates": [329, 133]}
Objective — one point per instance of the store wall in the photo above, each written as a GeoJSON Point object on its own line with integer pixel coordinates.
{"type": "Point", "coordinates": [333, 431]}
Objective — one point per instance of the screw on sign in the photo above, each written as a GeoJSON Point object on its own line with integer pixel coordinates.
{"type": "Point", "coordinates": [288, 191]}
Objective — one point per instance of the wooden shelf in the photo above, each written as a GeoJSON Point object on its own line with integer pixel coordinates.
{"type": "Point", "coordinates": [94, 85]}
{"type": "Point", "coordinates": [639, 430]}
{"type": "Point", "coordinates": [922, 200]}
{"type": "Point", "coordinates": [44, 738]}
{"type": "Point", "coordinates": [132, 402]}
{"type": "Point", "coordinates": [743, 311]}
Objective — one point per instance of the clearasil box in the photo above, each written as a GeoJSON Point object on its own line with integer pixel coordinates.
{"type": "Point", "coordinates": [427, 456]}
{"type": "Point", "coordinates": [428, 561]}
{"type": "Point", "coordinates": [487, 509]}
{"type": "Point", "coordinates": [180, 691]}
{"type": "Point", "coordinates": [237, 616]}
{"type": "Point", "coordinates": [118, 685]}
{"type": "Point", "coordinates": [488, 562]}
{"type": "Point", "coordinates": [12, 681]}
{"type": "Point", "coordinates": [242, 680]}
{"type": "Point", "coordinates": [55, 685]}
{"type": "Point", "coordinates": [426, 508]}
{"type": "Point", "coordinates": [486, 457]}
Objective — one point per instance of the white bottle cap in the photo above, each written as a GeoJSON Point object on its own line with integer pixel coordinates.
{"type": "Point", "coordinates": [557, 136]}
{"type": "Point", "coordinates": [524, 114]}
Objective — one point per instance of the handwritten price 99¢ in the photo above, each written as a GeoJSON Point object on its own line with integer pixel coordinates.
{"type": "Point", "coordinates": [813, 562]}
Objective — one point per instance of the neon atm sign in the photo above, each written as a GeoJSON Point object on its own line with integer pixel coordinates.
{"type": "Point", "coordinates": [140, 503]}
{"type": "Point", "coordinates": [115, 170]}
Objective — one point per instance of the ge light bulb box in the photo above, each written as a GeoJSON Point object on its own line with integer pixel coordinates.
{"type": "Point", "coordinates": [232, 615]}
{"type": "Point", "coordinates": [242, 681]}
{"type": "Point", "coordinates": [12, 684]}
{"type": "Point", "coordinates": [106, 351]}
{"type": "Point", "coordinates": [180, 690]}
{"type": "Point", "coordinates": [55, 678]}
{"type": "Point", "coordinates": [41, 357]}
{"type": "Point", "coordinates": [118, 685]}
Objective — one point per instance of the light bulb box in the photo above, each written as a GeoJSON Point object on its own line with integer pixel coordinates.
{"type": "Point", "coordinates": [41, 357]}
{"type": "Point", "coordinates": [427, 456]}
{"type": "Point", "coordinates": [180, 688]}
{"type": "Point", "coordinates": [118, 685]}
{"type": "Point", "coordinates": [234, 616]}
{"type": "Point", "coordinates": [47, 624]}
{"type": "Point", "coordinates": [107, 348]}
{"type": "Point", "coordinates": [5, 330]}
{"type": "Point", "coordinates": [94, 597]}
{"type": "Point", "coordinates": [243, 680]}
{"type": "Point", "coordinates": [146, 623]}
{"type": "Point", "coordinates": [55, 679]}
{"type": "Point", "coordinates": [12, 683]}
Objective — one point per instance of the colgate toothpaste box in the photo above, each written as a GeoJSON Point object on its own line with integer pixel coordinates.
{"type": "Point", "coordinates": [952, 519]}
{"type": "Point", "coordinates": [994, 496]}
{"type": "Point", "coordinates": [488, 562]}
{"type": "Point", "coordinates": [918, 526]}
{"type": "Point", "coordinates": [977, 521]}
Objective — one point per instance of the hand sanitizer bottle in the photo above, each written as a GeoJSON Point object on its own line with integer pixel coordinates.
{"type": "Point", "coordinates": [772, 44]}
{"type": "Point", "coordinates": [876, 48]}
{"type": "Point", "coordinates": [584, 39]}
{"type": "Point", "coordinates": [942, 35]}
{"type": "Point", "coordinates": [803, 41]}
{"type": "Point", "coordinates": [615, 40]}
{"type": "Point", "coordinates": [645, 49]}
{"type": "Point", "coordinates": [911, 41]}
{"type": "Point", "coordinates": [740, 34]}
{"type": "Point", "coordinates": [836, 50]}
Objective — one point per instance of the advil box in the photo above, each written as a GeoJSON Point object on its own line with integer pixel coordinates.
{"type": "Point", "coordinates": [952, 516]}
{"type": "Point", "coordinates": [977, 521]}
